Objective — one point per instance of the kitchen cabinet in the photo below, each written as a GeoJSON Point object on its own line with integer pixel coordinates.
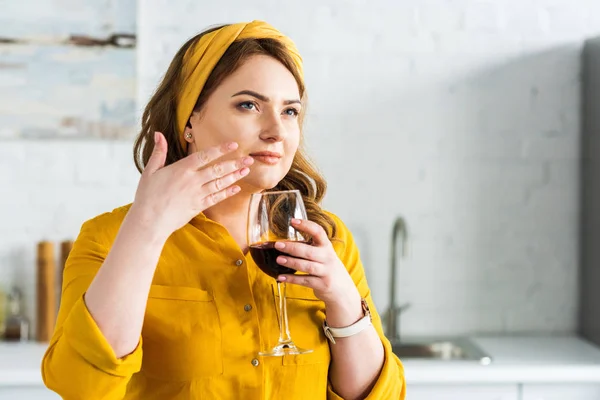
{"type": "Point", "coordinates": [462, 392]}
{"type": "Point", "coordinates": [571, 391]}
{"type": "Point", "coordinates": [27, 393]}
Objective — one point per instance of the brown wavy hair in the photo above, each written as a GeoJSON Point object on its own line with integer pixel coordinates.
{"type": "Point", "coordinates": [160, 115]}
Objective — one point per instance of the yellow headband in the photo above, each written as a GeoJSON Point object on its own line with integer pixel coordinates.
{"type": "Point", "coordinates": [200, 60]}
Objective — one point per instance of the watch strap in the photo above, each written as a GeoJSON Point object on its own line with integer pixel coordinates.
{"type": "Point", "coordinates": [350, 330]}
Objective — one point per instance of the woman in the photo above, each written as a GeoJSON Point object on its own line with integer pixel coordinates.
{"type": "Point", "coordinates": [161, 299]}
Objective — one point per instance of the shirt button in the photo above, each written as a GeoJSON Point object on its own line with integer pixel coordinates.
{"type": "Point", "coordinates": [255, 362]}
{"type": "Point", "coordinates": [247, 307]}
{"type": "Point", "coordinates": [239, 262]}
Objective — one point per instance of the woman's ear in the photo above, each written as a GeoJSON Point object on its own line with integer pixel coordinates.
{"type": "Point", "coordinates": [187, 131]}
{"type": "Point", "coordinates": [193, 120]}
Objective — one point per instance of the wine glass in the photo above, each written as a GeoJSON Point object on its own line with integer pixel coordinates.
{"type": "Point", "coordinates": [269, 221]}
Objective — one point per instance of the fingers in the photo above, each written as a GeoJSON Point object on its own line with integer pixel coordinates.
{"type": "Point", "coordinates": [316, 231]}
{"type": "Point", "coordinates": [221, 188]}
{"type": "Point", "coordinates": [313, 282]}
{"type": "Point", "coordinates": [203, 157]}
{"type": "Point", "coordinates": [214, 198]}
{"type": "Point", "coordinates": [307, 266]}
{"type": "Point", "coordinates": [226, 181]}
{"type": "Point", "coordinates": [159, 154]}
{"type": "Point", "coordinates": [301, 250]}
{"type": "Point", "coordinates": [223, 174]}
{"type": "Point", "coordinates": [217, 179]}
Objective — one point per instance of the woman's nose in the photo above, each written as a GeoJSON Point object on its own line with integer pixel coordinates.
{"type": "Point", "coordinates": [273, 129]}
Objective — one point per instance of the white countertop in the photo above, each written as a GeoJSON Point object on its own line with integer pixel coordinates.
{"type": "Point", "coordinates": [20, 363]}
{"type": "Point", "coordinates": [514, 360]}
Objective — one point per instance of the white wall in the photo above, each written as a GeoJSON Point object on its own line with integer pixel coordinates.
{"type": "Point", "coordinates": [461, 116]}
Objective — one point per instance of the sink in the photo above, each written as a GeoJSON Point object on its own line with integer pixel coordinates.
{"type": "Point", "coordinates": [457, 349]}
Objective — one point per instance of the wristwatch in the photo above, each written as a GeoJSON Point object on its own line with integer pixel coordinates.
{"type": "Point", "coordinates": [351, 330]}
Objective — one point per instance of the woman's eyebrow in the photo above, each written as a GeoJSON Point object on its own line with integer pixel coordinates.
{"type": "Point", "coordinates": [262, 97]}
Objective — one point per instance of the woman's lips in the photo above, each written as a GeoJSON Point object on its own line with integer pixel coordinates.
{"type": "Point", "coordinates": [266, 157]}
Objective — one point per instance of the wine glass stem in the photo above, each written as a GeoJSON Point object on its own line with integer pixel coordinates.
{"type": "Point", "coordinates": [284, 330]}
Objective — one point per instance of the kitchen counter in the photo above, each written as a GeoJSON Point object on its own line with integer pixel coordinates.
{"type": "Point", "coordinates": [534, 359]}
{"type": "Point", "coordinates": [517, 359]}
{"type": "Point", "coordinates": [20, 363]}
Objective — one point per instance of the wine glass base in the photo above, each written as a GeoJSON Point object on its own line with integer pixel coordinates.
{"type": "Point", "coordinates": [284, 350]}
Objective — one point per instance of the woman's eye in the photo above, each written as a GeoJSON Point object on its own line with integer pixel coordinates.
{"type": "Point", "coordinates": [248, 105]}
{"type": "Point", "coordinates": [292, 112]}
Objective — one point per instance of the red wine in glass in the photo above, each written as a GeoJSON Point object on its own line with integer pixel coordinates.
{"type": "Point", "coordinates": [265, 256]}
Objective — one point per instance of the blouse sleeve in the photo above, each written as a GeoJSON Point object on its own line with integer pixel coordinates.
{"type": "Point", "coordinates": [79, 362]}
{"type": "Point", "coordinates": [391, 383]}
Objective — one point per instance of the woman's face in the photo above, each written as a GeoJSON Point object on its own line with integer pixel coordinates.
{"type": "Point", "coordinates": [257, 107]}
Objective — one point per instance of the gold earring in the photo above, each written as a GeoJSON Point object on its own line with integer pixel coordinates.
{"type": "Point", "coordinates": [188, 136]}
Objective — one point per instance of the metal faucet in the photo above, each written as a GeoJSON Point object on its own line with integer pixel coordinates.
{"type": "Point", "coordinates": [393, 312]}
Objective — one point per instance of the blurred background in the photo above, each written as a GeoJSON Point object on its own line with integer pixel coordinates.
{"type": "Point", "coordinates": [472, 120]}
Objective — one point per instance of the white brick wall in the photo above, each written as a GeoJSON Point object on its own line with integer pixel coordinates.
{"type": "Point", "coordinates": [461, 116]}
{"type": "Point", "coordinates": [48, 189]}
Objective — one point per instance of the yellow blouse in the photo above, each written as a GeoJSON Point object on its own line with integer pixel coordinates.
{"type": "Point", "coordinates": [210, 311]}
